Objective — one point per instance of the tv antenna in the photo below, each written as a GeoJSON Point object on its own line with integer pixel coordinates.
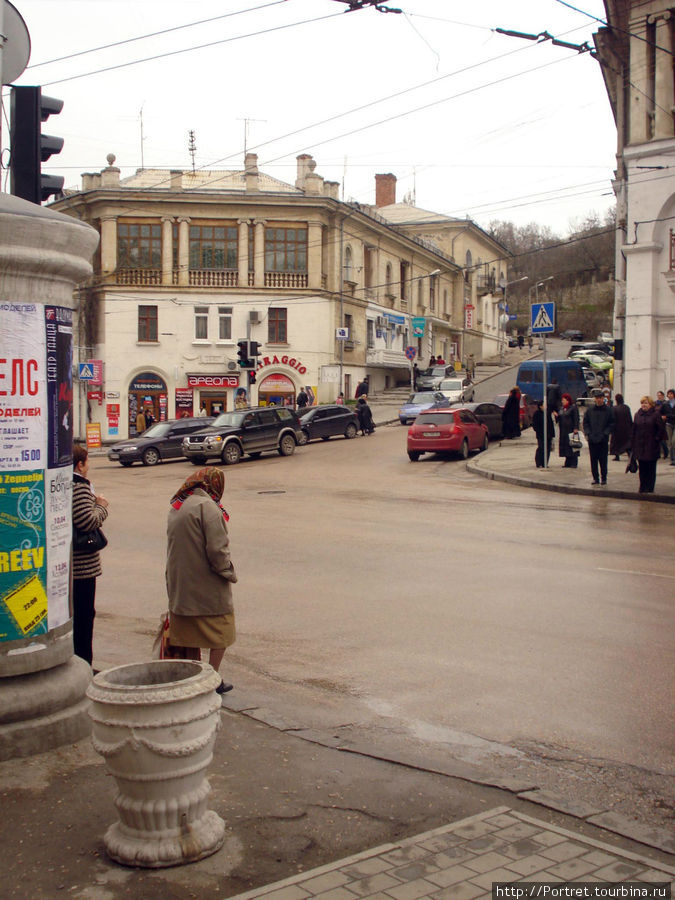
{"type": "Point", "coordinates": [192, 148]}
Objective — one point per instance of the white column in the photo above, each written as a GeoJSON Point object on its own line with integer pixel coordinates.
{"type": "Point", "coordinates": [108, 245]}
{"type": "Point", "coordinates": [167, 250]}
{"type": "Point", "coordinates": [242, 252]}
{"type": "Point", "coordinates": [314, 255]}
{"type": "Point", "coordinates": [184, 250]}
{"type": "Point", "coordinates": [259, 253]}
{"type": "Point", "coordinates": [663, 78]}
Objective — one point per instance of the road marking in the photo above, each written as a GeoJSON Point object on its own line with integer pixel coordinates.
{"type": "Point", "coordinates": [635, 572]}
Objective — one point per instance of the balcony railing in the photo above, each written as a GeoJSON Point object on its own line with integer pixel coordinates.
{"type": "Point", "coordinates": [382, 357]}
{"type": "Point", "coordinates": [285, 279]}
{"type": "Point", "coordinates": [139, 276]}
{"type": "Point", "coordinates": [214, 277]}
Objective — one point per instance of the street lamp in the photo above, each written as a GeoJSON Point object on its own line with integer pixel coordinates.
{"type": "Point", "coordinates": [504, 318]}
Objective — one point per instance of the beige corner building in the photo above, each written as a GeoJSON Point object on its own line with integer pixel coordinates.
{"type": "Point", "coordinates": [636, 55]}
{"type": "Point", "coordinates": [190, 263]}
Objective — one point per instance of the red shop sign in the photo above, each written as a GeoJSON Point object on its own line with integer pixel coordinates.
{"type": "Point", "coordinates": [218, 381]}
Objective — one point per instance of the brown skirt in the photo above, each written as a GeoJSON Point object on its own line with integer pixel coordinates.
{"type": "Point", "coordinates": [211, 632]}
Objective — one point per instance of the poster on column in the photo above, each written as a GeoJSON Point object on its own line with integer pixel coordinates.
{"type": "Point", "coordinates": [35, 468]}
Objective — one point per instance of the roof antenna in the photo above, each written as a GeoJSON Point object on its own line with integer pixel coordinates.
{"type": "Point", "coordinates": [192, 148]}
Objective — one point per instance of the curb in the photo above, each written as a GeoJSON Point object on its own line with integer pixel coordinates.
{"type": "Point", "coordinates": [475, 468]}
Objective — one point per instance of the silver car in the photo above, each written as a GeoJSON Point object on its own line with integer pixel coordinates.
{"type": "Point", "coordinates": [457, 389]}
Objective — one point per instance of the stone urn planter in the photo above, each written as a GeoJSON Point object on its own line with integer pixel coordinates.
{"type": "Point", "coordinates": [155, 724]}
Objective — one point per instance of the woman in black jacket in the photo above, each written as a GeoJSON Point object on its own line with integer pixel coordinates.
{"type": "Point", "coordinates": [365, 416]}
{"type": "Point", "coordinates": [646, 443]}
{"type": "Point", "coordinates": [568, 423]}
{"type": "Point", "coordinates": [511, 414]}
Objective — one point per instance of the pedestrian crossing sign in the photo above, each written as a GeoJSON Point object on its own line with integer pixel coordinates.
{"type": "Point", "coordinates": [86, 372]}
{"type": "Point", "coordinates": [542, 318]}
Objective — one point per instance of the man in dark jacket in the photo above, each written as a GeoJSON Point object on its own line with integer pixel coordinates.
{"type": "Point", "coordinates": [303, 399]}
{"type": "Point", "coordinates": [362, 388]}
{"type": "Point", "coordinates": [553, 396]}
{"type": "Point", "coordinates": [598, 425]}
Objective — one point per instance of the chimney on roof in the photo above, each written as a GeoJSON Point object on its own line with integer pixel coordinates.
{"type": "Point", "coordinates": [251, 172]}
{"type": "Point", "coordinates": [176, 179]}
{"type": "Point", "coordinates": [306, 166]}
{"type": "Point", "coordinates": [385, 190]}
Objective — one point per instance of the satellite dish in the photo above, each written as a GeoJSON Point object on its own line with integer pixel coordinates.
{"type": "Point", "coordinates": [15, 53]}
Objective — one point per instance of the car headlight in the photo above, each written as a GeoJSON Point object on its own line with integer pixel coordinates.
{"type": "Point", "coordinates": [128, 449]}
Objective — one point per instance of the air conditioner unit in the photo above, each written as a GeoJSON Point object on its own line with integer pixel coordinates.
{"type": "Point", "coordinates": [231, 366]}
{"type": "Point", "coordinates": [254, 317]}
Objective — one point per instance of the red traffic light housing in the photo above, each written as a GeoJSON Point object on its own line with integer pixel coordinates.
{"type": "Point", "coordinates": [251, 377]}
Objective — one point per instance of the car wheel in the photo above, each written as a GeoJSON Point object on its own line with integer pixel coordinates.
{"type": "Point", "coordinates": [486, 444]}
{"type": "Point", "coordinates": [464, 452]}
{"type": "Point", "coordinates": [150, 457]}
{"type": "Point", "coordinates": [127, 464]}
{"type": "Point", "coordinates": [198, 460]}
{"type": "Point", "coordinates": [286, 445]}
{"type": "Point", "coordinates": [231, 453]}
{"type": "Point", "coordinates": [350, 430]}
{"type": "Point", "coordinates": [413, 455]}
{"type": "Point", "coordinates": [304, 438]}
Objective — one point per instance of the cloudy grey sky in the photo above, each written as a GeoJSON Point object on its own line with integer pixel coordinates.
{"type": "Point", "coordinates": [472, 122]}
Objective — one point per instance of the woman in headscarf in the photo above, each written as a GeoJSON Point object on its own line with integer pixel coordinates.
{"type": "Point", "coordinates": [568, 422]}
{"type": "Point", "coordinates": [623, 429]}
{"type": "Point", "coordinates": [199, 570]}
{"type": "Point", "coordinates": [511, 414]}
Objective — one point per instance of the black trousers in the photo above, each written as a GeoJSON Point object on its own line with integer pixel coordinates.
{"type": "Point", "coordinates": [647, 468]}
{"type": "Point", "coordinates": [598, 454]}
{"type": "Point", "coordinates": [84, 592]}
{"type": "Point", "coordinates": [539, 452]}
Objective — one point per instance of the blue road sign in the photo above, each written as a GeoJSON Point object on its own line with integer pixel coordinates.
{"type": "Point", "coordinates": [86, 371]}
{"type": "Point", "coordinates": [542, 317]}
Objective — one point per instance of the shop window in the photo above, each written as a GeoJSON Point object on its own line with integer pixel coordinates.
{"type": "Point", "coordinates": [147, 323]}
{"type": "Point", "coordinates": [139, 245]}
{"type": "Point", "coordinates": [224, 323]}
{"type": "Point", "coordinates": [276, 326]}
{"type": "Point", "coordinates": [213, 247]}
{"type": "Point", "coordinates": [201, 323]}
{"type": "Point", "coordinates": [285, 249]}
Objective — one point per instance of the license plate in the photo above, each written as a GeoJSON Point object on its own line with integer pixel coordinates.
{"type": "Point", "coordinates": [429, 434]}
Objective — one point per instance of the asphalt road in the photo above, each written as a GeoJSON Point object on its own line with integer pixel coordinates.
{"type": "Point", "coordinates": [421, 606]}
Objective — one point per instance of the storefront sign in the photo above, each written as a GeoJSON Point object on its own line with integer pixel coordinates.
{"type": "Point", "coordinates": [213, 381]}
{"type": "Point", "coordinates": [147, 381]}
{"type": "Point", "coordinates": [184, 400]}
{"type": "Point", "coordinates": [112, 409]}
{"type": "Point", "coordinates": [35, 467]}
{"type": "Point", "coordinates": [277, 383]}
{"type": "Point", "coordinates": [112, 395]}
{"type": "Point", "coordinates": [418, 324]}
{"type": "Point", "coordinates": [95, 397]}
{"type": "Point", "coordinates": [283, 361]}
{"type": "Point", "coordinates": [93, 435]}
{"type": "Point", "coordinates": [97, 369]}
{"type": "Point", "coordinates": [468, 316]}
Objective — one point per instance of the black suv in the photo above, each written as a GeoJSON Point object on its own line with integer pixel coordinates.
{"type": "Point", "coordinates": [250, 431]}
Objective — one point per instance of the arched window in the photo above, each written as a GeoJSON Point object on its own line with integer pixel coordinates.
{"type": "Point", "coordinates": [468, 262]}
{"type": "Point", "coordinates": [348, 273]}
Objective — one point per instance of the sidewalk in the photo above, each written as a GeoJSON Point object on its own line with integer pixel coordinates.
{"type": "Point", "coordinates": [513, 462]}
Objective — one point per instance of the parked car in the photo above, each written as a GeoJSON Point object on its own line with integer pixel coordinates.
{"type": "Point", "coordinates": [446, 431]}
{"type": "Point", "coordinates": [526, 408]}
{"type": "Point", "coordinates": [596, 359]}
{"type": "Point", "coordinates": [571, 335]}
{"type": "Point", "coordinates": [457, 388]}
{"type": "Point", "coordinates": [245, 431]}
{"type": "Point", "coordinates": [489, 414]}
{"type": "Point", "coordinates": [158, 442]}
{"type": "Point", "coordinates": [418, 401]}
{"type": "Point", "coordinates": [605, 337]}
{"type": "Point", "coordinates": [327, 421]}
{"type": "Point", "coordinates": [593, 379]}
{"type": "Point", "coordinates": [430, 379]}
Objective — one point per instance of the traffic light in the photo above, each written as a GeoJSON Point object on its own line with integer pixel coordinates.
{"type": "Point", "coordinates": [243, 355]}
{"type": "Point", "coordinates": [29, 147]}
{"type": "Point", "coordinates": [251, 377]}
{"type": "Point", "coordinates": [254, 351]}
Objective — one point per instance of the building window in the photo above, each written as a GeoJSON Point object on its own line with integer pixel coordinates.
{"type": "Point", "coordinates": [348, 273]}
{"type": "Point", "coordinates": [404, 276]}
{"type": "Point", "coordinates": [276, 326]}
{"type": "Point", "coordinates": [285, 249]}
{"type": "Point", "coordinates": [201, 323]}
{"type": "Point", "coordinates": [224, 323]}
{"type": "Point", "coordinates": [213, 247]}
{"type": "Point", "coordinates": [147, 323]}
{"type": "Point", "coordinates": [139, 246]}
{"type": "Point", "coordinates": [387, 280]}
{"type": "Point", "coordinates": [419, 293]}
{"type": "Point", "coordinates": [368, 260]}
{"type": "Point", "coordinates": [432, 292]}
{"type": "Point", "coordinates": [445, 300]}
{"type": "Point", "coordinates": [349, 325]}
{"type": "Point", "coordinates": [370, 334]}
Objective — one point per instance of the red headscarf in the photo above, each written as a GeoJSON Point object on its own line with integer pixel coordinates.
{"type": "Point", "coordinates": [209, 479]}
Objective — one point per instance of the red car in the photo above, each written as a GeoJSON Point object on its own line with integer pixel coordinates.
{"type": "Point", "coordinates": [446, 431]}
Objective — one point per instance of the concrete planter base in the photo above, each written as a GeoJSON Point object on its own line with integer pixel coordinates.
{"type": "Point", "coordinates": [155, 725]}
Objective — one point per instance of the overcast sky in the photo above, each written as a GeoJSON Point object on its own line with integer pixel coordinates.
{"type": "Point", "coordinates": [474, 123]}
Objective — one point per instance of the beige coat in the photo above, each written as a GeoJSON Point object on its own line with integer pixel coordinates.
{"type": "Point", "coordinates": [199, 571]}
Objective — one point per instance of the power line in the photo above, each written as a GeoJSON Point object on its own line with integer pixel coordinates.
{"type": "Point", "coordinates": [616, 27]}
{"type": "Point", "coordinates": [143, 37]}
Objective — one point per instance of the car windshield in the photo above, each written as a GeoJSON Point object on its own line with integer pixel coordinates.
{"type": "Point", "coordinates": [229, 419]}
{"type": "Point", "coordinates": [451, 384]}
{"type": "Point", "coordinates": [423, 397]}
{"type": "Point", "coordinates": [159, 429]}
{"type": "Point", "coordinates": [435, 419]}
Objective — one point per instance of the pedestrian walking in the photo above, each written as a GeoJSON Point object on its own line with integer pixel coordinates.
{"type": "Point", "coordinates": [90, 510]}
{"type": "Point", "coordinates": [340, 399]}
{"type": "Point", "coordinates": [530, 342]}
{"type": "Point", "coordinates": [202, 412]}
{"type": "Point", "coordinates": [471, 366]}
{"type": "Point", "coordinates": [598, 426]}
{"type": "Point", "coordinates": [538, 427]}
{"type": "Point", "coordinates": [140, 422]}
{"type": "Point", "coordinates": [668, 416]}
{"type": "Point", "coordinates": [365, 416]}
{"type": "Point", "coordinates": [362, 388]}
{"type": "Point", "coordinates": [623, 429]}
{"type": "Point", "coordinates": [648, 433]}
{"type": "Point", "coordinates": [416, 372]}
{"type": "Point", "coordinates": [302, 399]}
{"type": "Point", "coordinates": [149, 418]}
{"type": "Point", "coordinates": [199, 570]}
{"type": "Point", "coordinates": [553, 395]}
{"type": "Point", "coordinates": [511, 415]}
{"type": "Point", "coordinates": [567, 418]}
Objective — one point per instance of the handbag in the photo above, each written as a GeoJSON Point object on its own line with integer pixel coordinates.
{"type": "Point", "coordinates": [89, 541]}
{"type": "Point", "coordinates": [575, 442]}
{"type": "Point", "coordinates": [632, 466]}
